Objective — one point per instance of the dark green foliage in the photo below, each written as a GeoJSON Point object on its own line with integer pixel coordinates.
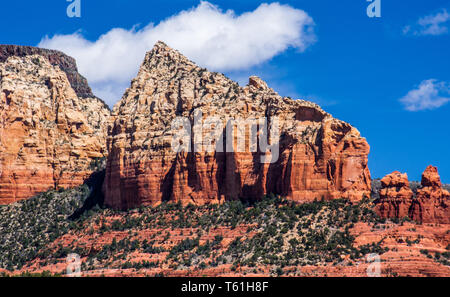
{"type": "Point", "coordinates": [28, 274]}
{"type": "Point", "coordinates": [27, 226]}
{"type": "Point", "coordinates": [285, 233]}
{"type": "Point", "coordinates": [321, 233]}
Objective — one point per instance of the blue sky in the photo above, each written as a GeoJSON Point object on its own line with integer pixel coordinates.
{"type": "Point", "coordinates": [358, 68]}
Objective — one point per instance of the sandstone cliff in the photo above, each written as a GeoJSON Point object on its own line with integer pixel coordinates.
{"type": "Point", "coordinates": [430, 203]}
{"type": "Point", "coordinates": [52, 129]}
{"type": "Point", "coordinates": [319, 156]}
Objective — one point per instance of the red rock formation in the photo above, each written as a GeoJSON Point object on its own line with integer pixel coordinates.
{"type": "Point", "coordinates": [431, 204]}
{"type": "Point", "coordinates": [49, 135]}
{"type": "Point", "coordinates": [395, 196]}
{"type": "Point", "coordinates": [319, 156]}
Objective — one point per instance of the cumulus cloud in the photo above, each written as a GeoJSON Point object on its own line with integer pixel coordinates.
{"type": "Point", "coordinates": [213, 38]}
{"type": "Point", "coordinates": [430, 94]}
{"type": "Point", "coordinates": [435, 24]}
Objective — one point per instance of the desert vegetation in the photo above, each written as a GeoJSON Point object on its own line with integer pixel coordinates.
{"type": "Point", "coordinates": [271, 233]}
{"type": "Point", "coordinates": [27, 226]}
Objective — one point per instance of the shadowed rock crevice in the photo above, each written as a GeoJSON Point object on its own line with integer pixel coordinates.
{"type": "Point", "coordinates": [172, 86]}
{"type": "Point", "coordinates": [95, 198]}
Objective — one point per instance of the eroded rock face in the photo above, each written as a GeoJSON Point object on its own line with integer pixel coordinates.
{"type": "Point", "coordinates": [319, 156]}
{"type": "Point", "coordinates": [431, 203]}
{"type": "Point", "coordinates": [49, 136]}
{"type": "Point", "coordinates": [56, 58]}
{"type": "Point", "coordinates": [395, 196]}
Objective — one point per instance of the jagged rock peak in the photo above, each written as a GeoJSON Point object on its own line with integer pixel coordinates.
{"type": "Point", "coordinates": [163, 55]}
{"type": "Point", "coordinates": [164, 64]}
{"type": "Point", "coordinates": [257, 83]}
{"type": "Point", "coordinates": [431, 178]}
{"type": "Point", "coordinates": [318, 156]}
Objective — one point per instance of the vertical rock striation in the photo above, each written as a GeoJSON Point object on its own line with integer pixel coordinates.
{"type": "Point", "coordinates": [52, 129]}
{"type": "Point", "coordinates": [319, 156]}
{"type": "Point", "coordinates": [395, 196]}
{"type": "Point", "coordinates": [431, 203]}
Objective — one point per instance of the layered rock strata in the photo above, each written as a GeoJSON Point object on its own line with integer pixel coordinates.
{"type": "Point", "coordinates": [315, 156]}
{"type": "Point", "coordinates": [395, 196]}
{"type": "Point", "coordinates": [430, 203]}
{"type": "Point", "coordinates": [50, 136]}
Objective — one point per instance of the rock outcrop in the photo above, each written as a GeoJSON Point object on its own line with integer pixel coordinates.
{"type": "Point", "coordinates": [52, 129]}
{"type": "Point", "coordinates": [430, 203]}
{"type": "Point", "coordinates": [319, 156]}
{"type": "Point", "coordinates": [395, 196]}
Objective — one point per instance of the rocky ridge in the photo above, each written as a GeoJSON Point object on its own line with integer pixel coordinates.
{"type": "Point", "coordinates": [49, 136]}
{"type": "Point", "coordinates": [56, 58]}
{"type": "Point", "coordinates": [319, 156]}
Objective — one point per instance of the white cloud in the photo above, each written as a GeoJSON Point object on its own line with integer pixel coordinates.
{"type": "Point", "coordinates": [435, 24]}
{"type": "Point", "coordinates": [430, 94]}
{"type": "Point", "coordinates": [216, 39]}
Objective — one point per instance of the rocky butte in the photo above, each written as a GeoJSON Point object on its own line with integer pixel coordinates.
{"type": "Point", "coordinates": [395, 196]}
{"type": "Point", "coordinates": [319, 156]}
{"type": "Point", "coordinates": [430, 203]}
{"type": "Point", "coordinates": [52, 128]}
